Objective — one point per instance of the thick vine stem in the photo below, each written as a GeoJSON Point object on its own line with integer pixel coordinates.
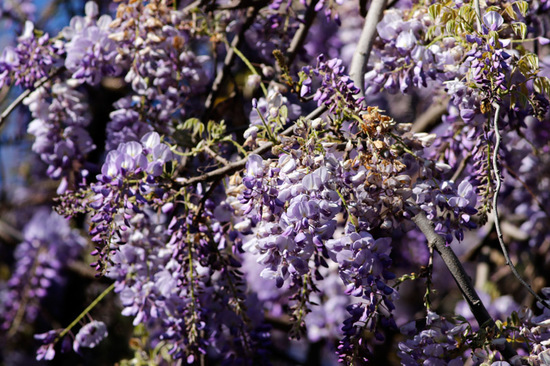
{"type": "Point", "coordinates": [452, 262]}
{"type": "Point", "coordinates": [364, 47]}
{"type": "Point", "coordinates": [461, 278]}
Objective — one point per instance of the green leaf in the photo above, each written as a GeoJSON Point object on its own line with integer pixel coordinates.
{"type": "Point", "coordinates": [188, 124]}
{"type": "Point", "coordinates": [538, 85]}
{"type": "Point", "coordinates": [199, 129]}
{"type": "Point", "coordinates": [520, 29]}
{"type": "Point", "coordinates": [492, 8]}
{"type": "Point", "coordinates": [523, 7]}
{"type": "Point", "coordinates": [434, 10]}
{"type": "Point", "coordinates": [545, 85]}
{"type": "Point", "coordinates": [514, 318]}
{"type": "Point", "coordinates": [466, 13]}
{"type": "Point", "coordinates": [509, 10]}
{"type": "Point", "coordinates": [450, 26]}
{"type": "Point", "coordinates": [193, 124]}
{"type": "Point", "coordinates": [528, 64]}
{"type": "Point", "coordinates": [445, 17]}
{"type": "Point", "coordinates": [533, 61]}
{"type": "Point", "coordinates": [494, 35]}
{"type": "Point", "coordinates": [283, 114]}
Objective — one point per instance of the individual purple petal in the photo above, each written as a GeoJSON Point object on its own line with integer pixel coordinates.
{"type": "Point", "coordinates": [125, 161]}
{"type": "Point", "coordinates": [493, 20]}
{"type": "Point", "coordinates": [132, 148]}
{"type": "Point", "coordinates": [45, 352]}
{"type": "Point", "coordinates": [405, 41]}
{"type": "Point", "coordinates": [254, 166]}
{"type": "Point", "coordinates": [316, 179]}
{"type": "Point", "coordinates": [150, 140]}
{"type": "Point", "coordinates": [467, 114]}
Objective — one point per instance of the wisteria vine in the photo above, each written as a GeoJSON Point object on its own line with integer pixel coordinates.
{"type": "Point", "coordinates": [254, 183]}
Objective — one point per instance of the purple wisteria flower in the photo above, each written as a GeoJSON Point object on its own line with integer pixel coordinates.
{"type": "Point", "coordinates": [404, 61]}
{"type": "Point", "coordinates": [125, 123]}
{"type": "Point", "coordinates": [493, 20]}
{"type": "Point", "coordinates": [160, 64]}
{"type": "Point", "coordinates": [59, 126]}
{"type": "Point", "coordinates": [32, 59]}
{"type": "Point", "coordinates": [46, 351]}
{"type": "Point", "coordinates": [49, 246]}
{"type": "Point", "coordinates": [434, 345]}
{"type": "Point", "coordinates": [143, 161]}
{"type": "Point", "coordinates": [437, 201]}
{"type": "Point", "coordinates": [268, 113]}
{"type": "Point", "coordinates": [336, 86]}
{"type": "Point", "coordinates": [90, 53]}
{"type": "Point", "coordinates": [130, 158]}
{"type": "Point", "coordinates": [288, 239]}
{"type": "Point", "coordinates": [294, 209]}
{"type": "Point", "coordinates": [312, 232]}
{"type": "Point", "coordinates": [90, 335]}
{"type": "Point", "coordinates": [163, 275]}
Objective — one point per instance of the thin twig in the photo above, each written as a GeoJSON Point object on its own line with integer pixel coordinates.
{"type": "Point", "coordinates": [191, 6]}
{"type": "Point", "coordinates": [364, 46]}
{"type": "Point", "coordinates": [460, 276]}
{"type": "Point", "coordinates": [426, 120]}
{"type": "Point", "coordinates": [495, 211]}
{"type": "Point", "coordinates": [251, 67]}
{"type": "Point", "coordinates": [461, 167]}
{"type": "Point", "coordinates": [301, 34]}
{"type": "Point", "coordinates": [239, 164]}
{"type": "Point", "coordinates": [86, 311]}
{"type": "Point", "coordinates": [4, 93]}
{"type": "Point", "coordinates": [7, 231]}
{"type": "Point", "coordinates": [202, 202]}
{"type": "Point", "coordinates": [5, 114]}
{"type": "Point", "coordinates": [214, 155]}
{"type": "Point", "coordinates": [456, 269]}
{"type": "Point", "coordinates": [229, 58]}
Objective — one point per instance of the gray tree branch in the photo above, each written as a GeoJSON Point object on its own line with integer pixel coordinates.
{"type": "Point", "coordinates": [301, 34]}
{"type": "Point", "coordinates": [361, 56]}
{"type": "Point", "coordinates": [460, 276]}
